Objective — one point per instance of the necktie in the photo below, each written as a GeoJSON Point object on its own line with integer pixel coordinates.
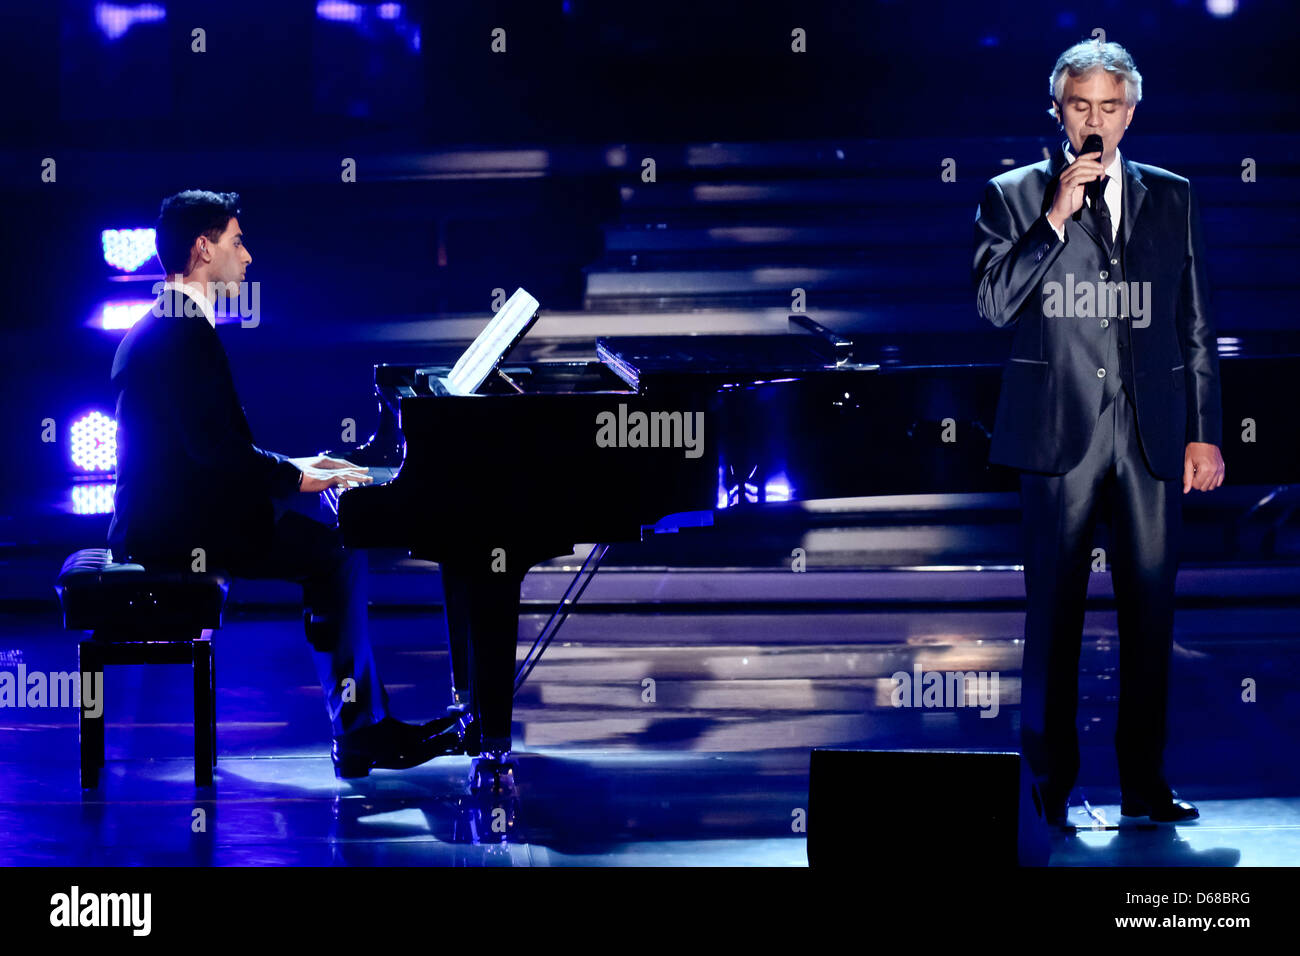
{"type": "Point", "coordinates": [1100, 216]}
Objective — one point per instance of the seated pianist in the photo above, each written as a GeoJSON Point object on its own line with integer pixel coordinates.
{"type": "Point", "coordinates": [189, 477]}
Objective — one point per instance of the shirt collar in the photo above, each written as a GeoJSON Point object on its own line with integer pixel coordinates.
{"type": "Point", "coordinates": [195, 292]}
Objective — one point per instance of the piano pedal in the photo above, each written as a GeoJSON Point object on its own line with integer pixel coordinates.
{"type": "Point", "coordinates": [493, 773]}
{"type": "Point", "coordinates": [466, 731]}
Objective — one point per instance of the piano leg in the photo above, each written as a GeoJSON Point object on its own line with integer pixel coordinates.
{"type": "Point", "coordinates": [483, 628]}
{"type": "Point", "coordinates": [494, 632]}
{"type": "Point", "coordinates": [484, 604]}
{"type": "Point", "coordinates": [456, 608]}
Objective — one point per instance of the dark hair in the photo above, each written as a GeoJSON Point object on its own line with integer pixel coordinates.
{"type": "Point", "coordinates": [186, 216]}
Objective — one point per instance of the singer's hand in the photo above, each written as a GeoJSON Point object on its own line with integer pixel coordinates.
{"type": "Point", "coordinates": [1069, 194]}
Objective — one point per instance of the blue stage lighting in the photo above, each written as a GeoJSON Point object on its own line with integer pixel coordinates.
{"type": "Point", "coordinates": [117, 316]}
{"type": "Point", "coordinates": [339, 10]}
{"type": "Point", "coordinates": [94, 442]}
{"type": "Point", "coordinates": [127, 249]}
{"type": "Point", "coordinates": [365, 16]}
{"type": "Point", "coordinates": [93, 498]}
{"type": "Point", "coordinates": [114, 19]}
{"type": "Point", "coordinates": [778, 488]}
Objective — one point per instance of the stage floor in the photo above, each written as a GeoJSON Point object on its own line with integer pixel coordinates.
{"type": "Point", "coordinates": [712, 771]}
{"type": "Point", "coordinates": [577, 808]}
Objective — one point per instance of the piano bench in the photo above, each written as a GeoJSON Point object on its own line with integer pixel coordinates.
{"type": "Point", "coordinates": [141, 616]}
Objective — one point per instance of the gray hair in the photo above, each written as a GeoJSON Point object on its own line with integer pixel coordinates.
{"type": "Point", "coordinates": [1088, 55]}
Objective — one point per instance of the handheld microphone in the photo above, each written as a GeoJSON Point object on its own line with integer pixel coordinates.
{"type": "Point", "coordinates": [1092, 144]}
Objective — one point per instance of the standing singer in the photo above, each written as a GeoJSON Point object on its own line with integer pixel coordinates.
{"type": "Point", "coordinates": [1109, 409]}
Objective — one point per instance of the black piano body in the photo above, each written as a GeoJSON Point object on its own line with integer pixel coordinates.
{"type": "Point", "coordinates": [492, 484]}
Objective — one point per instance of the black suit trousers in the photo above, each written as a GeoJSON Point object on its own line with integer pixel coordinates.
{"type": "Point", "coordinates": [333, 581]}
{"type": "Point", "coordinates": [1144, 514]}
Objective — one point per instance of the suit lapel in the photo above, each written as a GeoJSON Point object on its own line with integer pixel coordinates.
{"type": "Point", "coordinates": [1134, 194]}
{"type": "Point", "coordinates": [1055, 164]}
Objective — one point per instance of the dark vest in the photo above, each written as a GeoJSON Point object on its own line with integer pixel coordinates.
{"type": "Point", "coordinates": [1119, 351]}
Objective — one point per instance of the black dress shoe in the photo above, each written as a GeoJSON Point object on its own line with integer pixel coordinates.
{"type": "Point", "coordinates": [391, 745]}
{"type": "Point", "coordinates": [1161, 808]}
{"type": "Point", "coordinates": [440, 724]}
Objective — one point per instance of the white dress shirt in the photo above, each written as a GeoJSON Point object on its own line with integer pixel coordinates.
{"type": "Point", "coordinates": [195, 292]}
{"type": "Point", "coordinates": [1112, 193]}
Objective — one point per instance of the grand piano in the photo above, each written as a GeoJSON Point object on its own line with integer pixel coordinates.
{"type": "Point", "coordinates": [472, 479]}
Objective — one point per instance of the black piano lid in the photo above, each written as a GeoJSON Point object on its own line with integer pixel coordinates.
{"type": "Point", "coordinates": [636, 356]}
{"type": "Point", "coordinates": [781, 355]}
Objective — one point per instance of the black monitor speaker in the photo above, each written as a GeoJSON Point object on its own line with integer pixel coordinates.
{"type": "Point", "coordinates": [917, 808]}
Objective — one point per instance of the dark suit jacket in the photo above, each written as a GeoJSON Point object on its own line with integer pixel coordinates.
{"type": "Point", "coordinates": [1051, 393]}
{"type": "Point", "coordinates": [188, 473]}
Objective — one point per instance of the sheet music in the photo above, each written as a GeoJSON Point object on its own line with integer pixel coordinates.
{"type": "Point", "coordinates": [485, 351]}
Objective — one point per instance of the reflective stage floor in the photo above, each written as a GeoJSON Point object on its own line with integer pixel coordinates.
{"type": "Point", "coordinates": [674, 738]}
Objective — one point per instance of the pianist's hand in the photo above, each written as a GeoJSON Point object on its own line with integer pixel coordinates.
{"type": "Point", "coordinates": [321, 473]}
{"type": "Point", "coordinates": [323, 461]}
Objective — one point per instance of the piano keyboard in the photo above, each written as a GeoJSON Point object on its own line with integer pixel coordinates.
{"type": "Point", "coordinates": [329, 498]}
